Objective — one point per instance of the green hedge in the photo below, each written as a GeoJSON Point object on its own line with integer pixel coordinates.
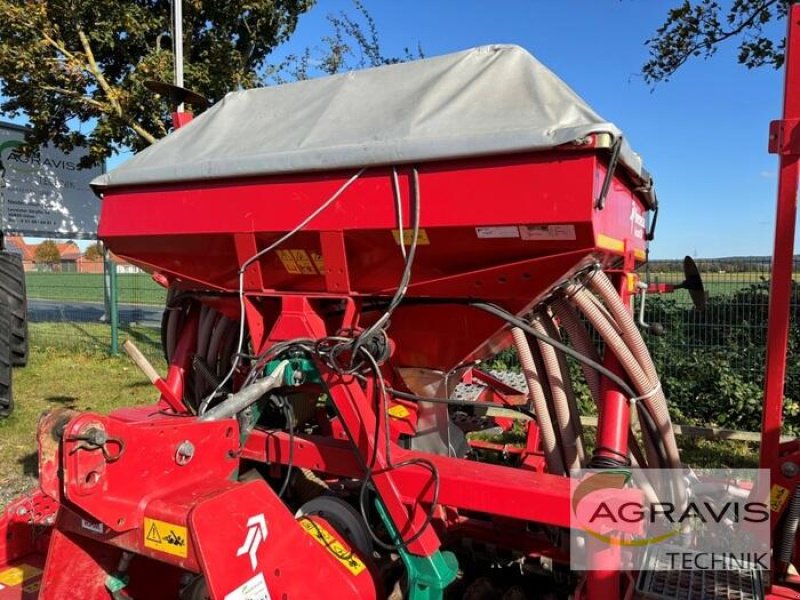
{"type": "Point", "coordinates": [711, 362]}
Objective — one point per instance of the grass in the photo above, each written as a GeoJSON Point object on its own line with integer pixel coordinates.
{"type": "Point", "coordinates": [92, 337]}
{"type": "Point", "coordinates": [716, 284]}
{"type": "Point", "coordinates": [88, 381]}
{"type": "Point", "coordinates": [134, 288]}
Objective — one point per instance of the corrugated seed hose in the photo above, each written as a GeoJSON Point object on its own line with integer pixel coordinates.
{"type": "Point", "coordinates": [789, 533]}
{"type": "Point", "coordinates": [582, 342]}
{"type": "Point", "coordinates": [586, 303]}
{"type": "Point", "coordinates": [566, 377]}
{"type": "Point", "coordinates": [655, 401]}
{"type": "Point", "coordinates": [552, 453]}
{"type": "Point", "coordinates": [566, 428]}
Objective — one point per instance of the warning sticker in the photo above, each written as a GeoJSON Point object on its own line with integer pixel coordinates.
{"type": "Point", "coordinates": [166, 537]}
{"type": "Point", "coordinates": [486, 233]}
{"type": "Point", "coordinates": [18, 574]}
{"type": "Point", "coordinates": [547, 232]}
{"type": "Point", "coordinates": [408, 237]}
{"type": "Point", "coordinates": [323, 537]}
{"type": "Point", "coordinates": [777, 497]}
{"type": "Point", "coordinates": [398, 411]}
{"type": "Point", "coordinates": [252, 589]}
{"type": "Point", "coordinates": [297, 262]}
{"type": "Point", "coordinates": [318, 262]}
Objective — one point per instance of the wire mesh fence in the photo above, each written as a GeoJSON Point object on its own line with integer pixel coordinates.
{"type": "Point", "coordinates": [711, 361]}
{"type": "Point", "coordinates": [71, 311]}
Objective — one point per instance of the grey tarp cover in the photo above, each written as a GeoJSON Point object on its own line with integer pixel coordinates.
{"type": "Point", "coordinates": [488, 100]}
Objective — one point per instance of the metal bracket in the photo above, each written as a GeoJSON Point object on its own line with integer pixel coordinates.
{"type": "Point", "coordinates": [612, 167]}
{"type": "Point", "coordinates": [784, 137]}
{"type": "Point", "coordinates": [428, 576]}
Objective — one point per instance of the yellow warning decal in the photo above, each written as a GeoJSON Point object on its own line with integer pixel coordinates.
{"type": "Point", "coordinates": [166, 537]}
{"type": "Point", "coordinates": [323, 537]}
{"type": "Point", "coordinates": [318, 262]}
{"type": "Point", "coordinates": [398, 411]}
{"type": "Point", "coordinates": [303, 262]}
{"type": "Point", "coordinates": [288, 262]}
{"type": "Point", "coordinates": [408, 237]}
{"type": "Point", "coordinates": [18, 574]}
{"type": "Point", "coordinates": [298, 262]}
{"type": "Point", "coordinates": [777, 497]}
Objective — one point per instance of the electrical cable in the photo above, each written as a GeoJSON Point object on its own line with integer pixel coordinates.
{"type": "Point", "coordinates": [382, 398]}
{"type": "Point", "coordinates": [242, 312]}
{"type": "Point", "coordinates": [517, 322]}
{"type": "Point", "coordinates": [405, 279]}
{"type": "Point", "coordinates": [288, 412]}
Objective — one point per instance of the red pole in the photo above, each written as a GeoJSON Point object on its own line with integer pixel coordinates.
{"type": "Point", "coordinates": [785, 141]}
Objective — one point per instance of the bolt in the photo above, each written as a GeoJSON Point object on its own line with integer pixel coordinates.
{"type": "Point", "coordinates": [22, 511]}
{"type": "Point", "coordinates": [790, 469]}
{"type": "Point", "coordinates": [184, 453]}
{"type": "Point", "coordinates": [50, 520]}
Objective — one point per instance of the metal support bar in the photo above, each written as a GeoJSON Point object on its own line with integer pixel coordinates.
{"type": "Point", "coordinates": [783, 254]}
{"type": "Point", "coordinates": [113, 307]}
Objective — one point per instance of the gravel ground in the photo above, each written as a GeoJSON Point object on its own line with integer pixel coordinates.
{"type": "Point", "coordinates": [11, 487]}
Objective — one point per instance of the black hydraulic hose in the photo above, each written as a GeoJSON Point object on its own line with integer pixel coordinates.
{"type": "Point", "coordinates": [517, 322]}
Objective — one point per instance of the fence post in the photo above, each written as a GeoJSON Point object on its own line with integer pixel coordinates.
{"type": "Point", "coordinates": [111, 274]}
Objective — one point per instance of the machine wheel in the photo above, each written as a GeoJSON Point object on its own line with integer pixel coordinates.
{"type": "Point", "coordinates": [12, 286]}
{"type": "Point", "coordinates": [343, 517]}
{"type": "Point", "coordinates": [6, 399]}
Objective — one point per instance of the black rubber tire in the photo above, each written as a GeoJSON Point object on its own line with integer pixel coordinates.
{"type": "Point", "coordinates": [12, 286]}
{"type": "Point", "coordinates": [6, 395]}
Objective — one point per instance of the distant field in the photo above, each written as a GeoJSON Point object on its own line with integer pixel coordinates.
{"type": "Point", "coordinates": [716, 284]}
{"type": "Point", "coordinates": [134, 288]}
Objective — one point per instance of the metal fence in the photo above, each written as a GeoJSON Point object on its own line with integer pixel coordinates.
{"type": "Point", "coordinates": [711, 361]}
{"type": "Point", "coordinates": [71, 311]}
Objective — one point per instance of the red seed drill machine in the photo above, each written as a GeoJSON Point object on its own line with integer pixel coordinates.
{"type": "Point", "coordinates": [341, 255]}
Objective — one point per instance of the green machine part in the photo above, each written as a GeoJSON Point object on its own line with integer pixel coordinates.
{"type": "Point", "coordinates": [428, 576]}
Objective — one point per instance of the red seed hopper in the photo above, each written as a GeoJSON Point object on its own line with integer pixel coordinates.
{"type": "Point", "coordinates": [514, 193]}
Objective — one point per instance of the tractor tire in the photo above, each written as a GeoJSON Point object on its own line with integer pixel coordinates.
{"type": "Point", "coordinates": [6, 397]}
{"type": "Point", "coordinates": [12, 286]}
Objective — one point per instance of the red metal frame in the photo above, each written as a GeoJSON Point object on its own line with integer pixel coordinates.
{"type": "Point", "coordinates": [785, 141]}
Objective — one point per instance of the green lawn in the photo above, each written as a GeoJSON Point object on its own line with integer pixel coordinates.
{"type": "Point", "coordinates": [91, 338]}
{"type": "Point", "coordinates": [716, 284]}
{"type": "Point", "coordinates": [134, 288]}
{"type": "Point", "coordinates": [56, 378]}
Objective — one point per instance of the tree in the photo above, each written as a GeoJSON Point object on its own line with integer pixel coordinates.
{"type": "Point", "coordinates": [697, 28]}
{"type": "Point", "coordinates": [47, 253]}
{"type": "Point", "coordinates": [76, 68]}
{"type": "Point", "coordinates": [352, 43]}
{"type": "Point", "coordinates": [94, 252]}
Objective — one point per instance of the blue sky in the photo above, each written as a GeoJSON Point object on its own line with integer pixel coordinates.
{"type": "Point", "coordinates": [703, 135]}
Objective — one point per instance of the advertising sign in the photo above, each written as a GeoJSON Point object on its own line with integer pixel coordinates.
{"type": "Point", "coordinates": [45, 194]}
